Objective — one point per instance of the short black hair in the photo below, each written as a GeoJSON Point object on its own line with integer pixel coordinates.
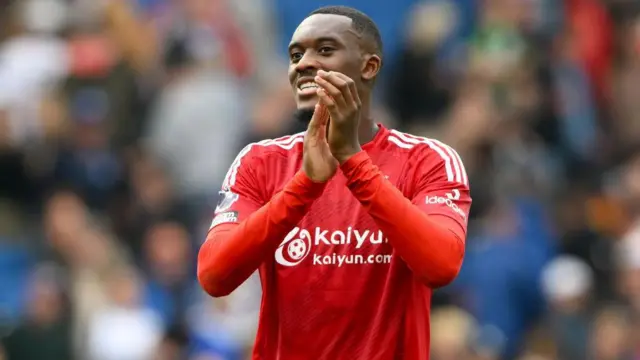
{"type": "Point", "coordinates": [361, 22]}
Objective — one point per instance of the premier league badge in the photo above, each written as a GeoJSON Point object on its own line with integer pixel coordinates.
{"type": "Point", "coordinates": [226, 199]}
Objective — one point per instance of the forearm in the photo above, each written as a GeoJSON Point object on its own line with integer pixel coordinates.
{"type": "Point", "coordinates": [233, 252]}
{"type": "Point", "coordinates": [433, 252]}
{"type": "Point", "coordinates": [137, 39]}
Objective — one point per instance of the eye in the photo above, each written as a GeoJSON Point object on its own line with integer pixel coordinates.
{"type": "Point", "coordinates": [295, 57]}
{"type": "Point", "coordinates": [325, 50]}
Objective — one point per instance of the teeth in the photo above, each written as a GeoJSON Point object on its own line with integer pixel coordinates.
{"type": "Point", "coordinates": [308, 85]}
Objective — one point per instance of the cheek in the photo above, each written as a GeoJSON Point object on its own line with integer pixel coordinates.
{"type": "Point", "coordinates": [357, 66]}
{"type": "Point", "coordinates": [343, 65]}
{"type": "Point", "coordinates": [291, 74]}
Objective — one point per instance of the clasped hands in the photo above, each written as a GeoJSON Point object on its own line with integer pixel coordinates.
{"type": "Point", "coordinates": [332, 134]}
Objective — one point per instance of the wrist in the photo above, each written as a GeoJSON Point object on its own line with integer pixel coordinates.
{"type": "Point", "coordinates": [343, 157]}
{"type": "Point", "coordinates": [303, 184]}
{"type": "Point", "coordinates": [353, 162]}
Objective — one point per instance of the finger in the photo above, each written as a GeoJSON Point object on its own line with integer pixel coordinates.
{"type": "Point", "coordinates": [322, 118]}
{"type": "Point", "coordinates": [353, 89]}
{"type": "Point", "coordinates": [330, 104]}
{"type": "Point", "coordinates": [332, 90]}
{"type": "Point", "coordinates": [341, 82]}
{"type": "Point", "coordinates": [314, 124]}
{"type": "Point", "coordinates": [322, 132]}
{"type": "Point", "coordinates": [327, 101]}
{"type": "Point", "coordinates": [326, 130]}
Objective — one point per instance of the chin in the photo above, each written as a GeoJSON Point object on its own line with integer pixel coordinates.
{"type": "Point", "coordinates": [305, 113]}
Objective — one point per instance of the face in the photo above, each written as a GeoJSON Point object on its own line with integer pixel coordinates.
{"type": "Point", "coordinates": [168, 251]}
{"type": "Point", "coordinates": [325, 42]}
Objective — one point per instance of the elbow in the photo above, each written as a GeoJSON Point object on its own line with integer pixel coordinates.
{"type": "Point", "coordinates": [212, 282]}
{"type": "Point", "coordinates": [445, 276]}
{"type": "Point", "coordinates": [211, 276]}
{"type": "Point", "coordinates": [447, 270]}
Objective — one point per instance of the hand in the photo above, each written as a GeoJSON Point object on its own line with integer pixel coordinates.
{"type": "Point", "coordinates": [339, 94]}
{"type": "Point", "coordinates": [317, 161]}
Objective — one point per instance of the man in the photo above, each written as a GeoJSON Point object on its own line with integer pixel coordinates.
{"type": "Point", "coordinates": [350, 224]}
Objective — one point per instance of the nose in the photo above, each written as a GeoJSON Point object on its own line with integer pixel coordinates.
{"type": "Point", "coordinates": [307, 63]}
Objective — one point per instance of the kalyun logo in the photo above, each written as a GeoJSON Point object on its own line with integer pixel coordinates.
{"type": "Point", "coordinates": [297, 246]}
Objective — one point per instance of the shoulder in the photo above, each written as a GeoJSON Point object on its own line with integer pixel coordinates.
{"type": "Point", "coordinates": [256, 153]}
{"type": "Point", "coordinates": [429, 154]}
{"type": "Point", "coordinates": [282, 145]}
{"type": "Point", "coordinates": [269, 147]}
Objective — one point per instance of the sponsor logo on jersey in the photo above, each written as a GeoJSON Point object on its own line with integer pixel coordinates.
{"type": "Point", "coordinates": [440, 200]}
{"type": "Point", "coordinates": [299, 243]}
{"type": "Point", "coordinates": [225, 200]}
{"type": "Point", "coordinates": [224, 218]}
{"type": "Point", "coordinates": [454, 194]}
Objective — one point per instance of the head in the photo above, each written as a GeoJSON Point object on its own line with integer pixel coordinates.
{"type": "Point", "coordinates": [47, 297]}
{"type": "Point", "coordinates": [611, 333]}
{"type": "Point", "coordinates": [333, 38]}
{"type": "Point", "coordinates": [124, 287]}
{"type": "Point", "coordinates": [168, 252]}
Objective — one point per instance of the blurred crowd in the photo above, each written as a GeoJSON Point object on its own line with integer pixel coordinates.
{"type": "Point", "coordinates": [119, 118]}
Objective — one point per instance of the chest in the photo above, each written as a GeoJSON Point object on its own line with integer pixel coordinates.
{"type": "Point", "coordinates": [337, 206]}
{"type": "Point", "coordinates": [337, 232]}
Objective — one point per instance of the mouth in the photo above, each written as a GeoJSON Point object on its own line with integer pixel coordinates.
{"type": "Point", "coordinates": [307, 87]}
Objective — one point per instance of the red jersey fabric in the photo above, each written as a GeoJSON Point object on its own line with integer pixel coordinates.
{"type": "Point", "coordinates": [347, 267]}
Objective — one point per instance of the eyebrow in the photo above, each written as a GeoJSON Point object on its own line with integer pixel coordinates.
{"type": "Point", "coordinates": [318, 40]}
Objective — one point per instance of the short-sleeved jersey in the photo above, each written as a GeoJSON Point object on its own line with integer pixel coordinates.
{"type": "Point", "coordinates": [335, 288]}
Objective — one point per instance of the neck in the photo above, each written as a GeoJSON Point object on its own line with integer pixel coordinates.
{"type": "Point", "coordinates": [368, 128]}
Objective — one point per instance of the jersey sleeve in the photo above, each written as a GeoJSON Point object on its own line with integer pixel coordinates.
{"type": "Point", "coordinates": [429, 235]}
{"type": "Point", "coordinates": [247, 227]}
{"type": "Point", "coordinates": [240, 194]}
{"type": "Point", "coordinates": [441, 185]}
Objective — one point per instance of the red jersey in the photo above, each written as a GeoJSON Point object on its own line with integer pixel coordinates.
{"type": "Point", "coordinates": [351, 275]}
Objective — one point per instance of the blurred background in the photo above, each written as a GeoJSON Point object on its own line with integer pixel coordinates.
{"type": "Point", "coordinates": [119, 118]}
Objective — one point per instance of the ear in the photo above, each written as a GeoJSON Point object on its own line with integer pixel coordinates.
{"type": "Point", "coordinates": [371, 67]}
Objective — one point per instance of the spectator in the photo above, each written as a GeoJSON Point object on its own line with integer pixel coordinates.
{"type": "Point", "coordinates": [119, 120]}
{"type": "Point", "coordinates": [568, 284]}
{"type": "Point", "coordinates": [170, 288]}
{"type": "Point", "coordinates": [46, 332]}
{"type": "Point", "coordinates": [124, 329]}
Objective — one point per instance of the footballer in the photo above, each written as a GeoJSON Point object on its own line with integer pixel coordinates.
{"type": "Point", "coordinates": [351, 225]}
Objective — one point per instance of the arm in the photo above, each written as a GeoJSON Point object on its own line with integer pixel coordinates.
{"type": "Point", "coordinates": [243, 233]}
{"type": "Point", "coordinates": [428, 231]}
{"type": "Point", "coordinates": [233, 252]}
{"type": "Point", "coordinates": [138, 40]}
